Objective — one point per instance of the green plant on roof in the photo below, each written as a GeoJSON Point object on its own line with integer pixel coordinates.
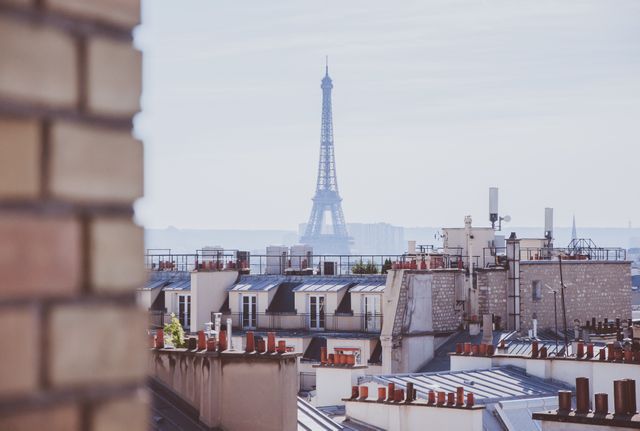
{"type": "Point", "coordinates": [364, 268]}
{"type": "Point", "coordinates": [174, 331]}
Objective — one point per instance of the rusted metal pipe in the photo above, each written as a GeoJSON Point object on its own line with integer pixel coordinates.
{"type": "Point", "coordinates": [409, 392]}
{"type": "Point", "coordinates": [251, 344]}
{"type": "Point", "coordinates": [398, 395]}
{"type": "Point", "coordinates": [451, 399]}
{"type": "Point", "coordinates": [364, 392]}
{"type": "Point", "coordinates": [564, 401]}
{"type": "Point", "coordinates": [543, 352]}
{"type": "Point", "coordinates": [632, 406]}
{"type": "Point", "coordinates": [355, 393]}
{"type": "Point", "coordinates": [459, 395]}
{"type": "Point", "coordinates": [582, 395]}
{"type": "Point", "coordinates": [590, 350]}
{"type": "Point", "coordinates": [602, 403]}
{"type": "Point", "coordinates": [619, 397]}
{"type": "Point", "coordinates": [271, 342]}
{"type": "Point", "coordinates": [470, 400]}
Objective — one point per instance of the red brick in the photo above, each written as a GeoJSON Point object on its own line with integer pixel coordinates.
{"type": "Point", "coordinates": [121, 12]}
{"type": "Point", "coordinates": [117, 254]}
{"type": "Point", "coordinates": [114, 75]}
{"type": "Point", "coordinates": [19, 158]}
{"type": "Point", "coordinates": [38, 64]}
{"type": "Point", "coordinates": [93, 344]}
{"type": "Point", "coordinates": [19, 358]}
{"type": "Point", "coordinates": [59, 418]}
{"type": "Point", "coordinates": [91, 164]}
{"type": "Point", "coordinates": [130, 413]}
{"type": "Point", "coordinates": [39, 257]}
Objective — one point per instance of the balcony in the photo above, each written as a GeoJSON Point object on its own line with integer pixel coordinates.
{"type": "Point", "coordinates": [306, 322]}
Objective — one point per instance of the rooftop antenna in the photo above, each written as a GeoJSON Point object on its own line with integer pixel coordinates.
{"type": "Point", "coordinates": [326, 67]}
{"type": "Point", "coordinates": [493, 210]}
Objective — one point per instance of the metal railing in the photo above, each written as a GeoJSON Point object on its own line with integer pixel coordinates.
{"type": "Point", "coordinates": [296, 321]}
{"type": "Point", "coordinates": [337, 265]}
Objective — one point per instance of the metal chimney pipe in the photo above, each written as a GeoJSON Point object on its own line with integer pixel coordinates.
{"type": "Point", "coordinates": [364, 392]}
{"type": "Point", "coordinates": [431, 399]}
{"type": "Point", "coordinates": [602, 403]}
{"type": "Point", "coordinates": [202, 340]}
{"type": "Point", "coordinates": [632, 406]}
{"type": "Point", "coordinates": [222, 342]}
{"type": "Point", "coordinates": [398, 395]}
{"type": "Point", "coordinates": [470, 400]}
{"type": "Point", "coordinates": [409, 392]}
{"type": "Point", "coordinates": [564, 401]}
{"type": "Point", "coordinates": [582, 395]}
{"type": "Point", "coordinates": [534, 349]}
{"type": "Point", "coordinates": [382, 394]}
{"type": "Point", "coordinates": [580, 350]}
{"type": "Point", "coordinates": [251, 343]}
{"type": "Point", "coordinates": [354, 392]}
{"type": "Point", "coordinates": [229, 333]}
{"type": "Point", "coordinates": [271, 342]}
{"type": "Point", "coordinates": [590, 350]}
{"type": "Point", "coordinates": [543, 352]}
{"type": "Point", "coordinates": [391, 390]}
{"type": "Point", "coordinates": [160, 339]}
{"type": "Point", "coordinates": [441, 398]}
{"type": "Point", "coordinates": [619, 397]}
{"type": "Point", "coordinates": [451, 399]}
{"type": "Point", "coordinates": [459, 396]}
{"type": "Point", "coordinates": [282, 346]}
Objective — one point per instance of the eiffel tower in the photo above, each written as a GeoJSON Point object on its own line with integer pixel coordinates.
{"type": "Point", "coordinates": [324, 237]}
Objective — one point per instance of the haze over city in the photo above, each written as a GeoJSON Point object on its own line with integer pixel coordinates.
{"type": "Point", "coordinates": [431, 101]}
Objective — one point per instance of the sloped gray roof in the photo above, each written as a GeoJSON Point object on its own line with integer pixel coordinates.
{"type": "Point", "coordinates": [312, 419]}
{"type": "Point", "coordinates": [488, 386]}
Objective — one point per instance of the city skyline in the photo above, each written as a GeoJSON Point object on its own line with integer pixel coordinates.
{"type": "Point", "coordinates": [450, 99]}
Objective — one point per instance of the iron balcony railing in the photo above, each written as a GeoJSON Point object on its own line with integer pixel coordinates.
{"type": "Point", "coordinates": [336, 322]}
{"type": "Point", "coordinates": [336, 265]}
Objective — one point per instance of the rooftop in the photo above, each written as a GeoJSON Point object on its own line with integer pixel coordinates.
{"type": "Point", "coordinates": [489, 386]}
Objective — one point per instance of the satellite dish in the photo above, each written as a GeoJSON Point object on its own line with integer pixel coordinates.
{"type": "Point", "coordinates": [507, 218]}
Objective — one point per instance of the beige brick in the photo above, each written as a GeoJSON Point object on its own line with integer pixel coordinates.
{"type": "Point", "coordinates": [37, 65]}
{"type": "Point", "coordinates": [121, 12]}
{"type": "Point", "coordinates": [59, 418]}
{"type": "Point", "coordinates": [117, 250]}
{"type": "Point", "coordinates": [114, 71]}
{"type": "Point", "coordinates": [130, 413]}
{"type": "Point", "coordinates": [96, 344]}
{"type": "Point", "coordinates": [95, 164]}
{"type": "Point", "coordinates": [19, 360]}
{"type": "Point", "coordinates": [19, 158]}
{"type": "Point", "coordinates": [39, 257]}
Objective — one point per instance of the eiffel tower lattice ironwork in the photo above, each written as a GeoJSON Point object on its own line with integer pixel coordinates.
{"type": "Point", "coordinates": [325, 238]}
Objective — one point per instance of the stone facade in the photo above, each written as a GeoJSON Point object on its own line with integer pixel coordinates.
{"type": "Point", "coordinates": [600, 289]}
{"type": "Point", "coordinates": [70, 255]}
{"type": "Point", "coordinates": [492, 293]}
{"type": "Point", "coordinates": [446, 315]}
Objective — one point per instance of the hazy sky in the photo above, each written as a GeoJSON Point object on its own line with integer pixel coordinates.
{"type": "Point", "coordinates": [434, 102]}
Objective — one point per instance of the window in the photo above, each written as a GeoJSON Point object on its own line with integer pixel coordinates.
{"type": "Point", "coordinates": [316, 312]}
{"type": "Point", "coordinates": [184, 310]}
{"type": "Point", "coordinates": [536, 290]}
{"type": "Point", "coordinates": [372, 314]}
{"type": "Point", "coordinates": [249, 318]}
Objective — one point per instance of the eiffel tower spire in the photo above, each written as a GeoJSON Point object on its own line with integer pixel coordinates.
{"type": "Point", "coordinates": [327, 201]}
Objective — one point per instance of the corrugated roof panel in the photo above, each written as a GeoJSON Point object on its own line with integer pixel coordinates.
{"type": "Point", "coordinates": [326, 285]}
{"type": "Point", "coordinates": [312, 419]}
{"type": "Point", "coordinates": [257, 283]}
{"type": "Point", "coordinates": [487, 385]}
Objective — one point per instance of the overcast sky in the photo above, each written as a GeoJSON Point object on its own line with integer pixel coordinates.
{"type": "Point", "coordinates": [434, 102]}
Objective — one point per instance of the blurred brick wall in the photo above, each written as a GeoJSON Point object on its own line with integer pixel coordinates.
{"type": "Point", "coordinates": [73, 351]}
